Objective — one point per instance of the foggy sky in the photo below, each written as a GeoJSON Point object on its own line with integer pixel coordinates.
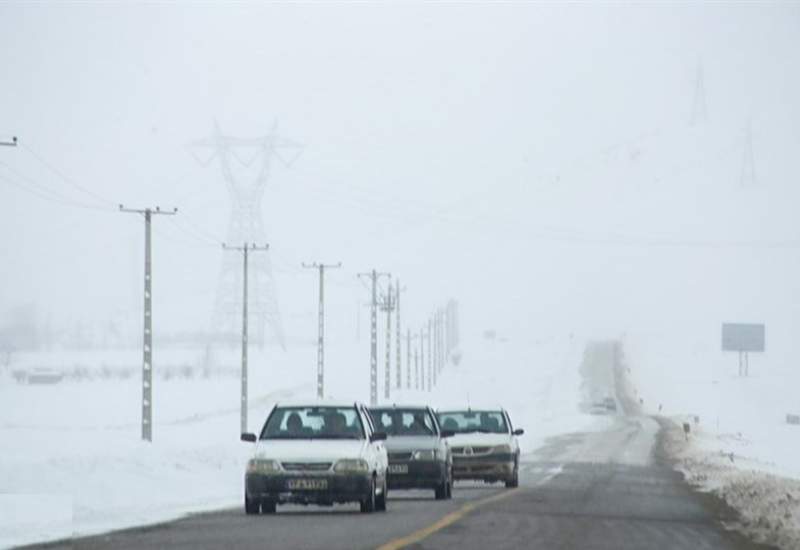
{"type": "Point", "coordinates": [534, 161]}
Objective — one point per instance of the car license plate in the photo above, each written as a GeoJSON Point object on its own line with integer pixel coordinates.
{"type": "Point", "coordinates": [398, 468]}
{"type": "Point", "coordinates": [307, 484]}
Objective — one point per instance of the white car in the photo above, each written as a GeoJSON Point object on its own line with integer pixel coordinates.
{"type": "Point", "coordinates": [316, 453]}
{"type": "Point", "coordinates": [484, 446]}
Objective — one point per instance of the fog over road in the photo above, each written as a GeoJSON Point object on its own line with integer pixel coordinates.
{"type": "Point", "coordinates": [603, 490]}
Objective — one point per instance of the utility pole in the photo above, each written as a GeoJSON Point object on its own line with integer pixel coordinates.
{"type": "Point", "coordinates": [431, 366]}
{"type": "Point", "coordinates": [421, 379]}
{"type": "Point", "coordinates": [416, 368]}
{"type": "Point", "coordinates": [373, 341]}
{"type": "Point", "coordinates": [388, 306]}
{"type": "Point", "coordinates": [408, 359]}
{"type": "Point", "coordinates": [12, 143]}
{"type": "Point", "coordinates": [147, 341]}
{"type": "Point", "coordinates": [244, 249]}
{"type": "Point", "coordinates": [440, 324]}
{"type": "Point", "coordinates": [399, 358]}
{"type": "Point", "coordinates": [321, 326]}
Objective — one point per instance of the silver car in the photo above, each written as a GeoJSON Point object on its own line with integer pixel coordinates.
{"type": "Point", "coordinates": [419, 455]}
{"type": "Point", "coordinates": [484, 446]}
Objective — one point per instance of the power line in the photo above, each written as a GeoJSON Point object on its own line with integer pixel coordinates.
{"type": "Point", "coordinates": [65, 178]}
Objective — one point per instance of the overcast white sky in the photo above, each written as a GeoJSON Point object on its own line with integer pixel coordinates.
{"type": "Point", "coordinates": [534, 161]}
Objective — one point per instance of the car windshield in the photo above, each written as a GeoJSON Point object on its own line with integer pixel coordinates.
{"type": "Point", "coordinates": [313, 423]}
{"type": "Point", "coordinates": [462, 422]}
{"type": "Point", "coordinates": [403, 422]}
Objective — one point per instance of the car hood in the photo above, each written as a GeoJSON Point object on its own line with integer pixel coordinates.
{"type": "Point", "coordinates": [410, 443]}
{"type": "Point", "coordinates": [310, 450]}
{"type": "Point", "coordinates": [478, 440]}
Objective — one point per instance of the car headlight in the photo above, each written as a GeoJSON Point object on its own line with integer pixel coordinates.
{"type": "Point", "coordinates": [425, 455]}
{"type": "Point", "coordinates": [263, 466]}
{"type": "Point", "coordinates": [501, 449]}
{"type": "Point", "coordinates": [348, 465]}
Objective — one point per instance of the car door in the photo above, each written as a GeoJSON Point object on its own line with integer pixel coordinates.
{"type": "Point", "coordinates": [513, 441]}
{"type": "Point", "coordinates": [443, 445]}
{"type": "Point", "coordinates": [376, 452]}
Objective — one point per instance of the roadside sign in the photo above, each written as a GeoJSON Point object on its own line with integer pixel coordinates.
{"type": "Point", "coordinates": [743, 337]}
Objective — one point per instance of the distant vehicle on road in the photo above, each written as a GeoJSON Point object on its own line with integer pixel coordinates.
{"type": "Point", "coordinates": [484, 446]}
{"type": "Point", "coordinates": [38, 375]}
{"type": "Point", "coordinates": [419, 456]}
{"type": "Point", "coordinates": [610, 404]}
{"type": "Point", "coordinates": [317, 453]}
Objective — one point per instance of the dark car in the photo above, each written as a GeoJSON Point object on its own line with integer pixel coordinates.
{"type": "Point", "coordinates": [419, 456]}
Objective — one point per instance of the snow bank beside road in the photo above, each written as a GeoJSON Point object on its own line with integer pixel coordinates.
{"type": "Point", "coordinates": [741, 449]}
{"type": "Point", "coordinates": [768, 505]}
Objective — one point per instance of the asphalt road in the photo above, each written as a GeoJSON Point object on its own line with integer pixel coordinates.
{"type": "Point", "coordinates": [608, 489]}
{"type": "Point", "coordinates": [603, 490]}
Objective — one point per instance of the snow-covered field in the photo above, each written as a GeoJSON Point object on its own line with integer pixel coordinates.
{"type": "Point", "coordinates": [71, 461]}
{"type": "Point", "coordinates": [742, 448]}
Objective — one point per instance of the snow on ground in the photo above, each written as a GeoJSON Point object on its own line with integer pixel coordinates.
{"type": "Point", "coordinates": [71, 459]}
{"type": "Point", "coordinates": [742, 448]}
{"type": "Point", "coordinates": [72, 463]}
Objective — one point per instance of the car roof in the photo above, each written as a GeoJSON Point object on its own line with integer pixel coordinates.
{"type": "Point", "coordinates": [471, 409]}
{"type": "Point", "coordinates": [317, 403]}
{"type": "Point", "coordinates": [400, 406]}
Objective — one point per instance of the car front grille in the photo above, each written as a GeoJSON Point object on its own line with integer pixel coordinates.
{"type": "Point", "coordinates": [467, 451]}
{"type": "Point", "coordinates": [306, 466]}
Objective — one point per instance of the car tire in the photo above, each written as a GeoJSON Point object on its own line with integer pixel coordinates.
{"type": "Point", "coordinates": [514, 481]}
{"type": "Point", "coordinates": [269, 506]}
{"type": "Point", "coordinates": [250, 506]}
{"type": "Point", "coordinates": [450, 486]}
{"type": "Point", "coordinates": [441, 490]}
{"type": "Point", "coordinates": [380, 501]}
{"type": "Point", "coordinates": [368, 504]}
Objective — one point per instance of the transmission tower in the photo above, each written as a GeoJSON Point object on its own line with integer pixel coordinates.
{"type": "Point", "coordinates": [699, 111]}
{"type": "Point", "coordinates": [245, 165]}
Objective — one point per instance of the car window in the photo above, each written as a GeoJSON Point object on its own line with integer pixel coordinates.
{"type": "Point", "coordinates": [313, 423]}
{"type": "Point", "coordinates": [400, 422]}
{"type": "Point", "coordinates": [473, 421]}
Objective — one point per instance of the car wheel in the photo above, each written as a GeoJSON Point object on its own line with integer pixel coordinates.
{"type": "Point", "coordinates": [514, 481]}
{"type": "Point", "coordinates": [269, 507]}
{"type": "Point", "coordinates": [380, 501]}
{"type": "Point", "coordinates": [250, 506]}
{"type": "Point", "coordinates": [368, 504]}
{"type": "Point", "coordinates": [450, 486]}
{"type": "Point", "coordinates": [441, 490]}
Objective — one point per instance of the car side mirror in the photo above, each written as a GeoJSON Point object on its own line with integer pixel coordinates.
{"type": "Point", "coordinates": [378, 436]}
{"type": "Point", "coordinates": [518, 431]}
{"type": "Point", "coordinates": [250, 438]}
{"type": "Point", "coordinates": [448, 433]}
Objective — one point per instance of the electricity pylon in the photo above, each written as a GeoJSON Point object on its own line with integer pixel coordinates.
{"type": "Point", "coordinates": [246, 185]}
